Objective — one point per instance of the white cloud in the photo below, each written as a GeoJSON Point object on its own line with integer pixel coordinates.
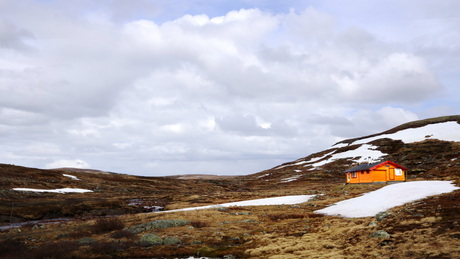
{"type": "Point", "coordinates": [128, 90]}
{"type": "Point", "coordinates": [395, 116]}
{"type": "Point", "coordinates": [77, 163]}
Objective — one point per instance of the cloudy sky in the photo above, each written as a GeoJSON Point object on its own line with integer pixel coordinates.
{"type": "Point", "coordinates": [155, 87]}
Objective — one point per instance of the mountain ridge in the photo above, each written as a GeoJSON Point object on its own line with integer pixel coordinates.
{"type": "Point", "coordinates": [412, 124]}
{"type": "Point", "coordinates": [423, 145]}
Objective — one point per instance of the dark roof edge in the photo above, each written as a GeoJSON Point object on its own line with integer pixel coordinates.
{"type": "Point", "coordinates": [370, 166]}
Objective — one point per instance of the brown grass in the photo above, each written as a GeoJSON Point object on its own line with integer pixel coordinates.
{"type": "Point", "coordinates": [103, 225]}
{"type": "Point", "coordinates": [199, 224]}
{"type": "Point", "coordinates": [420, 230]}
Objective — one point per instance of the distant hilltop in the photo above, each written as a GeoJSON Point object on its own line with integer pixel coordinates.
{"type": "Point", "coordinates": [429, 147]}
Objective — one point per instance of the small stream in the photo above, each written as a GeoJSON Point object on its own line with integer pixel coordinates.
{"type": "Point", "coordinates": [35, 222]}
{"type": "Point", "coordinates": [132, 202]}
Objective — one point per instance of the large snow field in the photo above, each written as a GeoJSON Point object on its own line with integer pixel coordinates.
{"type": "Point", "coordinates": [283, 200]}
{"type": "Point", "coordinates": [448, 131]}
{"type": "Point", "coordinates": [367, 205]}
{"type": "Point", "coordinates": [62, 190]}
{"type": "Point", "coordinates": [387, 197]}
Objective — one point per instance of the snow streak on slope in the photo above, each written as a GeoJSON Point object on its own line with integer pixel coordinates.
{"type": "Point", "coordinates": [290, 179]}
{"type": "Point", "coordinates": [448, 131]}
{"type": "Point", "coordinates": [71, 176]}
{"type": "Point", "coordinates": [387, 197]}
{"type": "Point", "coordinates": [63, 190]}
{"type": "Point", "coordinates": [284, 200]}
{"type": "Point", "coordinates": [365, 152]}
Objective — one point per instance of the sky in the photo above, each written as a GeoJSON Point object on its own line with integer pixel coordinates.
{"type": "Point", "coordinates": [155, 87]}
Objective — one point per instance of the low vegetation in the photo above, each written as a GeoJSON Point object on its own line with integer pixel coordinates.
{"type": "Point", "coordinates": [116, 220]}
{"type": "Point", "coordinates": [103, 225]}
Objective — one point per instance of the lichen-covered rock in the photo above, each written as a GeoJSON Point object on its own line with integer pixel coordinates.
{"type": "Point", "coordinates": [172, 241]}
{"type": "Point", "coordinates": [150, 240]}
{"type": "Point", "coordinates": [158, 224]}
{"type": "Point", "coordinates": [380, 234]}
{"type": "Point", "coordinates": [381, 216]}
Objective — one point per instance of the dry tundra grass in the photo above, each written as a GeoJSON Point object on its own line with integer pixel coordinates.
{"type": "Point", "coordinates": [291, 231]}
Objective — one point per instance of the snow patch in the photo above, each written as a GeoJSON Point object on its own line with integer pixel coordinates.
{"type": "Point", "coordinates": [306, 161]}
{"type": "Point", "coordinates": [366, 152]}
{"type": "Point", "coordinates": [339, 145]}
{"type": "Point", "coordinates": [290, 179]}
{"type": "Point", "coordinates": [319, 158]}
{"type": "Point", "coordinates": [298, 163]}
{"type": "Point", "coordinates": [448, 131]}
{"type": "Point", "coordinates": [72, 177]}
{"type": "Point", "coordinates": [62, 190]}
{"type": "Point", "coordinates": [284, 200]}
{"type": "Point", "coordinates": [387, 197]}
{"type": "Point", "coordinates": [263, 175]}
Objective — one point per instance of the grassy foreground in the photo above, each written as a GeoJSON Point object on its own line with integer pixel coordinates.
{"type": "Point", "coordinates": [424, 229]}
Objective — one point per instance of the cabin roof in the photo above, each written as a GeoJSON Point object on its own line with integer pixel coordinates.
{"type": "Point", "coordinates": [371, 166]}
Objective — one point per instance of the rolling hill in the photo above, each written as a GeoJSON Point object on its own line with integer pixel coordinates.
{"type": "Point", "coordinates": [108, 214]}
{"type": "Point", "coordinates": [429, 148]}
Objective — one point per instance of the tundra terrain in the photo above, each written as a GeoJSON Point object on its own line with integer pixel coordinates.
{"type": "Point", "coordinates": [120, 218]}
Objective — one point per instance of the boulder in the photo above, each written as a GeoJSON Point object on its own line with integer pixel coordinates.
{"type": "Point", "coordinates": [150, 240]}
{"type": "Point", "coordinates": [172, 241]}
{"type": "Point", "coordinates": [381, 216]}
{"type": "Point", "coordinates": [157, 224]}
{"type": "Point", "coordinates": [380, 234]}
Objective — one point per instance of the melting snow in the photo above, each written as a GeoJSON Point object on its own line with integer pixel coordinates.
{"type": "Point", "coordinates": [319, 158]}
{"type": "Point", "coordinates": [387, 197]}
{"type": "Point", "coordinates": [448, 131]}
{"type": "Point", "coordinates": [284, 200]}
{"type": "Point", "coordinates": [263, 175]}
{"type": "Point", "coordinates": [298, 163]}
{"type": "Point", "coordinates": [307, 161]}
{"type": "Point", "coordinates": [62, 190]}
{"type": "Point", "coordinates": [290, 179]}
{"type": "Point", "coordinates": [365, 152]}
{"type": "Point", "coordinates": [71, 176]}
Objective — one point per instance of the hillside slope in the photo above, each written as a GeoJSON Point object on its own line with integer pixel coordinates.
{"type": "Point", "coordinates": [111, 193]}
{"type": "Point", "coordinates": [429, 148]}
{"type": "Point", "coordinates": [425, 228]}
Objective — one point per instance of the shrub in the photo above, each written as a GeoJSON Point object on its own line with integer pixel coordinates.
{"type": "Point", "coordinates": [11, 248]}
{"type": "Point", "coordinates": [275, 217]}
{"type": "Point", "coordinates": [76, 234]}
{"type": "Point", "coordinates": [122, 234]}
{"type": "Point", "coordinates": [106, 248]}
{"type": "Point", "coordinates": [237, 208]}
{"type": "Point", "coordinates": [60, 249]}
{"type": "Point", "coordinates": [199, 224]}
{"type": "Point", "coordinates": [104, 225]}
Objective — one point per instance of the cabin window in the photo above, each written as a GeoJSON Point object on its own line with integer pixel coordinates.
{"type": "Point", "coordinates": [353, 174]}
{"type": "Point", "coordinates": [398, 171]}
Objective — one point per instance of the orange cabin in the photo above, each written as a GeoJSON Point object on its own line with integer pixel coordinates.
{"type": "Point", "coordinates": [380, 172]}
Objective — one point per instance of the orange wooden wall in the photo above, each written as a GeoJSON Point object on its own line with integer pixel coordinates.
{"type": "Point", "coordinates": [384, 173]}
